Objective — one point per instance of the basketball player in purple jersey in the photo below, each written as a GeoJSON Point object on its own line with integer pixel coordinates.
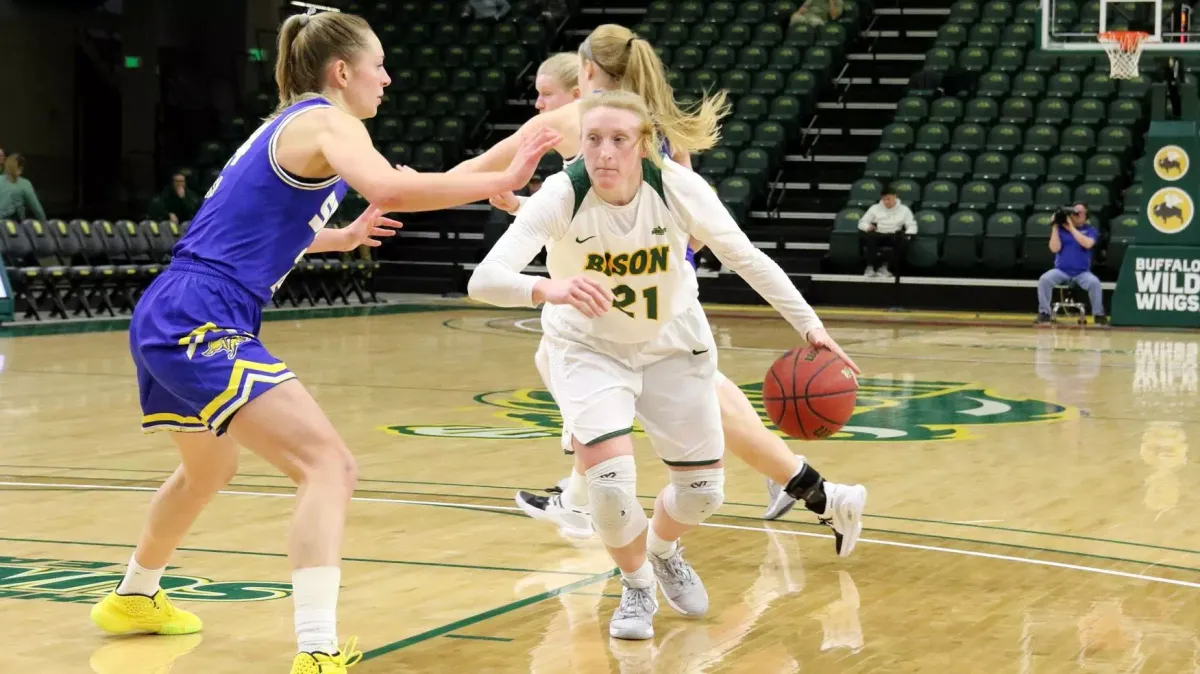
{"type": "Point", "coordinates": [202, 371]}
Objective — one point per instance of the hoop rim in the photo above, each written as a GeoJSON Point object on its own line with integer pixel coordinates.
{"type": "Point", "coordinates": [1127, 40]}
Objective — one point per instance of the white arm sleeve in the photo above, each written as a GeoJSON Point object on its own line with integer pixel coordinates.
{"type": "Point", "coordinates": [544, 217]}
{"type": "Point", "coordinates": [708, 221]}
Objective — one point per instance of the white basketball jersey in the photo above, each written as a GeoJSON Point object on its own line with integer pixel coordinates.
{"type": "Point", "coordinates": [638, 250]}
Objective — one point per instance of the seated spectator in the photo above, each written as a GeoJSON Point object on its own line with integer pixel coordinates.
{"type": "Point", "coordinates": [1071, 241]}
{"type": "Point", "coordinates": [17, 198]}
{"type": "Point", "coordinates": [889, 224]}
{"type": "Point", "coordinates": [816, 12]}
{"type": "Point", "coordinates": [177, 203]}
{"type": "Point", "coordinates": [486, 9]}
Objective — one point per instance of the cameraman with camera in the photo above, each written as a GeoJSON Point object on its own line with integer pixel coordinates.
{"type": "Point", "coordinates": [1071, 241]}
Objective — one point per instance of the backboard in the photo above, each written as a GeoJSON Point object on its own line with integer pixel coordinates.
{"type": "Point", "coordinates": [1075, 25]}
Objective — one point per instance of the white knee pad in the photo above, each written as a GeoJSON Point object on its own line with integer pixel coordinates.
{"type": "Point", "coordinates": [612, 491]}
{"type": "Point", "coordinates": [694, 495]}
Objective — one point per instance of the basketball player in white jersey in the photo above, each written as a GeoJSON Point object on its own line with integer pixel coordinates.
{"type": "Point", "coordinates": [625, 337]}
{"type": "Point", "coordinates": [612, 57]}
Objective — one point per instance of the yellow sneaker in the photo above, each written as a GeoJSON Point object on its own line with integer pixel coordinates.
{"type": "Point", "coordinates": [321, 663]}
{"type": "Point", "coordinates": [139, 614]}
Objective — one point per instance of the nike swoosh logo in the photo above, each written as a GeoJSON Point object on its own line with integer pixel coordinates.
{"type": "Point", "coordinates": [697, 353]}
{"type": "Point", "coordinates": [579, 240]}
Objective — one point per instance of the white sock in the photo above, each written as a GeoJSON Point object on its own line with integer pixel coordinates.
{"type": "Point", "coordinates": [576, 493]}
{"type": "Point", "coordinates": [657, 546]}
{"type": "Point", "coordinates": [642, 578]}
{"type": "Point", "coordinates": [139, 580]}
{"type": "Point", "coordinates": [315, 593]}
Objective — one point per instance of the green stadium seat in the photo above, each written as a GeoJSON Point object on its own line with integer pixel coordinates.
{"type": "Point", "coordinates": [818, 59]}
{"type": "Point", "coordinates": [1064, 85]}
{"type": "Point", "coordinates": [946, 111]}
{"type": "Point", "coordinates": [1028, 167]}
{"type": "Point", "coordinates": [924, 250]}
{"type": "Point", "coordinates": [940, 58]}
{"type": "Point", "coordinates": [704, 80]}
{"type": "Point", "coordinates": [1088, 111]}
{"type": "Point", "coordinates": [736, 134]}
{"type": "Point", "coordinates": [1008, 60]}
{"type": "Point", "coordinates": [941, 195]}
{"type": "Point", "coordinates": [1002, 241]}
{"type": "Point", "coordinates": [964, 232]}
{"type": "Point", "coordinates": [428, 56]}
{"type": "Point", "coordinates": [717, 162]}
{"type": "Point", "coordinates": [672, 35]}
{"type": "Point", "coordinates": [434, 80]}
{"type": "Point", "coordinates": [801, 83]}
{"type": "Point", "coordinates": [752, 109]}
{"type": "Point", "coordinates": [786, 110]}
{"type": "Point", "coordinates": [446, 34]}
{"type": "Point", "coordinates": [1095, 196]}
{"type": "Point", "coordinates": [1065, 167]}
{"type": "Point", "coordinates": [1015, 196]}
{"type": "Point", "coordinates": [689, 11]}
{"type": "Point", "coordinates": [918, 165]}
{"type": "Point", "coordinates": [1076, 64]}
{"type": "Point", "coordinates": [786, 58]}
{"type": "Point", "coordinates": [968, 138]}
{"type": "Point", "coordinates": [991, 166]}
{"type": "Point", "coordinates": [472, 106]}
{"type": "Point", "coordinates": [736, 35]}
{"type": "Point", "coordinates": [770, 136]}
{"type": "Point", "coordinates": [1051, 195]}
{"type": "Point", "coordinates": [1035, 246]}
{"type": "Point", "coordinates": [974, 59]}
{"type": "Point", "coordinates": [1029, 12]}
{"type": "Point", "coordinates": [420, 129]}
{"type": "Point", "coordinates": [1029, 84]}
{"type": "Point", "coordinates": [646, 31]}
{"type": "Point", "coordinates": [984, 35]}
{"type": "Point", "coordinates": [965, 11]}
{"type": "Point", "coordinates": [751, 12]}
{"type": "Point", "coordinates": [769, 35]}
{"type": "Point", "coordinates": [954, 166]}
{"type": "Point", "coordinates": [767, 83]}
{"type": "Point", "coordinates": [800, 36]}
{"type": "Point", "coordinates": [832, 35]}
{"type": "Point", "coordinates": [1136, 88]}
{"type": "Point", "coordinates": [908, 191]}
{"type": "Point", "coordinates": [659, 11]}
{"type": "Point", "coordinates": [977, 195]}
{"type": "Point", "coordinates": [1019, 35]}
{"type": "Point", "coordinates": [1099, 86]}
{"type": "Point", "coordinates": [1117, 140]}
{"type": "Point", "coordinates": [1004, 138]}
{"type": "Point", "coordinates": [1041, 138]}
{"type": "Point", "coordinates": [844, 249]}
{"type": "Point", "coordinates": [1078, 139]}
{"type": "Point", "coordinates": [882, 164]}
{"type": "Point", "coordinates": [492, 83]}
{"type": "Point", "coordinates": [736, 82]}
{"type": "Point", "coordinates": [721, 12]}
{"type": "Point", "coordinates": [429, 158]}
{"type": "Point", "coordinates": [477, 33]}
{"type": "Point", "coordinates": [736, 193]}
{"type": "Point", "coordinates": [1053, 111]}
{"type": "Point", "coordinates": [897, 137]}
{"type": "Point", "coordinates": [1103, 168]}
{"type": "Point", "coordinates": [388, 130]}
{"type": "Point", "coordinates": [719, 58]}
{"type": "Point", "coordinates": [1135, 198]}
{"type": "Point", "coordinates": [993, 85]}
{"type": "Point", "coordinates": [456, 56]}
{"type": "Point", "coordinates": [911, 110]}
{"type": "Point", "coordinates": [932, 137]}
{"type": "Point", "coordinates": [864, 193]}
{"type": "Point", "coordinates": [705, 35]}
{"type": "Point", "coordinates": [753, 164]}
{"type": "Point", "coordinates": [1018, 111]}
{"type": "Point", "coordinates": [399, 153]}
{"type": "Point", "coordinates": [1125, 111]}
{"type": "Point", "coordinates": [997, 11]}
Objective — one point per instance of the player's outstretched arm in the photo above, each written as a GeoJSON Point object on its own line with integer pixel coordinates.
{"type": "Point", "coordinates": [712, 225]}
{"type": "Point", "coordinates": [498, 279]}
{"type": "Point", "coordinates": [347, 147]}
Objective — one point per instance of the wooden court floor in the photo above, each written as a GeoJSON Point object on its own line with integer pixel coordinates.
{"type": "Point", "coordinates": [1032, 509]}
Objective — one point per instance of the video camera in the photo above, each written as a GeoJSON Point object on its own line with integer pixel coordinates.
{"type": "Point", "coordinates": [1061, 214]}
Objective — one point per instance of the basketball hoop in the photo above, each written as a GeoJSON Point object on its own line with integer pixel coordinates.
{"type": "Point", "coordinates": [1124, 49]}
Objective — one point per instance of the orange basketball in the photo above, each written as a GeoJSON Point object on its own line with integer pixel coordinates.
{"type": "Point", "coordinates": [809, 393]}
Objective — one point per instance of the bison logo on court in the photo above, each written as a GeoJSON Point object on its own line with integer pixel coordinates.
{"type": "Point", "coordinates": [1170, 210]}
{"type": "Point", "coordinates": [1171, 162]}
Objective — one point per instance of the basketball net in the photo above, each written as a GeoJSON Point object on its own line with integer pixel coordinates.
{"type": "Point", "coordinates": [1124, 49]}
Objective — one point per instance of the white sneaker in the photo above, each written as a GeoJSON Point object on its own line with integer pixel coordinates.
{"type": "Point", "coordinates": [634, 617]}
{"type": "Point", "coordinates": [883, 272]}
{"type": "Point", "coordinates": [779, 502]}
{"type": "Point", "coordinates": [844, 506]}
{"type": "Point", "coordinates": [679, 583]}
{"type": "Point", "coordinates": [571, 522]}
{"type": "Point", "coordinates": [869, 273]}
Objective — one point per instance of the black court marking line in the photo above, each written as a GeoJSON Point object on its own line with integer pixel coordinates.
{"type": "Point", "coordinates": [486, 615]}
{"type": "Point", "coordinates": [277, 555]}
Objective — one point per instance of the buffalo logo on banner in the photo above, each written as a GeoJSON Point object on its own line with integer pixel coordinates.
{"type": "Point", "coordinates": [1171, 162]}
{"type": "Point", "coordinates": [1170, 210]}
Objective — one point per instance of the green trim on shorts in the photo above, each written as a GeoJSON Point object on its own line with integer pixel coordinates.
{"type": "Point", "coordinates": [707, 462]}
{"type": "Point", "coordinates": [609, 436]}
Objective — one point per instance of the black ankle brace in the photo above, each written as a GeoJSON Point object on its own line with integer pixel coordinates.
{"type": "Point", "coordinates": [808, 486]}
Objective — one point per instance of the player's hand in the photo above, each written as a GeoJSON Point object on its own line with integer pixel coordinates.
{"type": "Point", "coordinates": [820, 339]}
{"type": "Point", "coordinates": [507, 202]}
{"type": "Point", "coordinates": [525, 161]}
{"type": "Point", "coordinates": [587, 295]}
{"type": "Point", "coordinates": [368, 227]}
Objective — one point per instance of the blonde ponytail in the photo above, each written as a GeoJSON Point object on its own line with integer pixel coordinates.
{"type": "Point", "coordinates": [632, 63]}
{"type": "Point", "coordinates": [307, 43]}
